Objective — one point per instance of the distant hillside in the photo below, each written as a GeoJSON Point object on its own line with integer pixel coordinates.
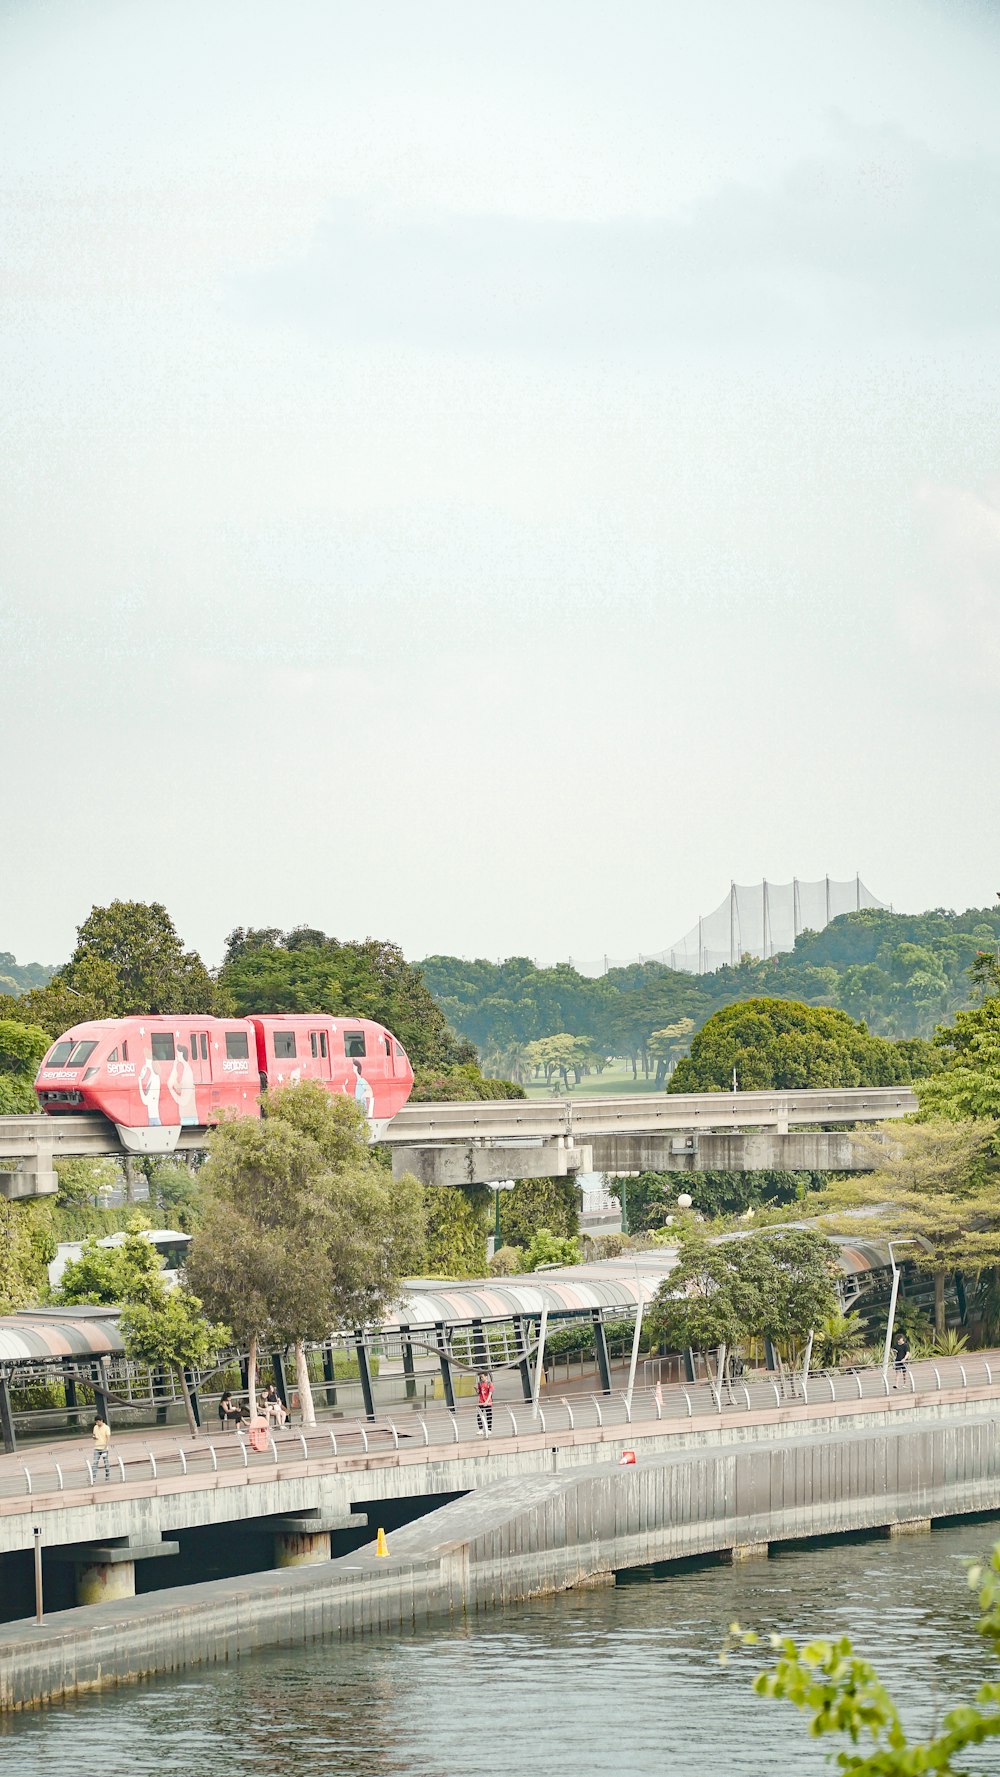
{"type": "Point", "coordinates": [18, 978]}
{"type": "Point", "coordinates": [902, 973]}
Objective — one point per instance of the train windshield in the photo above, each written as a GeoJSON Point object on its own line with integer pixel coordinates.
{"type": "Point", "coordinates": [80, 1054]}
{"type": "Point", "coordinates": [60, 1055]}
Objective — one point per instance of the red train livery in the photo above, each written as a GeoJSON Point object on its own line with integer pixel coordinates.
{"type": "Point", "coordinates": [152, 1077]}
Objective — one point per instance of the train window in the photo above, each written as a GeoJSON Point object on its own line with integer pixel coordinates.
{"type": "Point", "coordinates": [388, 1045]}
{"type": "Point", "coordinates": [113, 1056]}
{"type": "Point", "coordinates": [322, 1044]}
{"type": "Point", "coordinates": [80, 1054]}
{"type": "Point", "coordinates": [317, 1044]}
{"type": "Point", "coordinates": [60, 1055]}
{"type": "Point", "coordinates": [284, 1043]}
{"type": "Point", "coordinates": [163, 1046]}
{"type": "Point", "coordinates": [354, 1043]}
{"type": "Point", "coordinates": [124, 1051]}
{"type": "Point", "coordinates": [204, 1046]}
{"type": "Point", "coordinates": [236, 1045]}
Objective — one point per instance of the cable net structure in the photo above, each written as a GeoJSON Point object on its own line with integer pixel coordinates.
{"type": "Point", "coordinates": [758, 921]}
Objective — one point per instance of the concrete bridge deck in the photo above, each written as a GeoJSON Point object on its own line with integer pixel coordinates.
{"type": "Point", "coordinates": [540, 1138]}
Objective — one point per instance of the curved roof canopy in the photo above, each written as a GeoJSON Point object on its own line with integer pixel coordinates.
{"type": "Point", "coordinates": [43, 1336]}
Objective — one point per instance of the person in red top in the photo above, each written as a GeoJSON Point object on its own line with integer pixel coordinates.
{"type": "Point", "coordinates": [484, 1396]}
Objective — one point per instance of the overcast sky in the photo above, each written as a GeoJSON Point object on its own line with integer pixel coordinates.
{"type": "Point", "coordinates": [486, 476]}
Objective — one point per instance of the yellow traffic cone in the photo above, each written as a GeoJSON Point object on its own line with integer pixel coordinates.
{"type": "Point", "coordinates": [381, 1546]}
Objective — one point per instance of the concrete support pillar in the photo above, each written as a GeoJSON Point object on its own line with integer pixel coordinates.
{"type": "Point", "coordinates": [601, 1347]}
{"type": "Point", "coordinates": [301, 1548]}
{"type": "Point", "coordinates": [445, 1362]}
{"type": "Point", "coordinates": [910, 1527]}
{"type": "Point", "coordinates": [104, 1582]}
{"type": "Point", "coordinates": [105, 1572]}
{"type": "Point", "coordinates": [748, 1552]}
{"type": "Point", "coordinates": [409, 1372]}
{"type": "Point", "coordinates": [523, 1361]}
{"type": "Point", "coordinates": [365, 1372]}
{"type": "Point", "coordinates": [6, 1416]}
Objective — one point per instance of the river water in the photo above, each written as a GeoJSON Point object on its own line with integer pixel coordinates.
{"type": "Point", "coordinates": [623, 1680]}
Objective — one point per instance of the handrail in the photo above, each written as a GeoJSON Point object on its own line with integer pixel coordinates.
{"type": "Point", "coordinates": [445, 1428]}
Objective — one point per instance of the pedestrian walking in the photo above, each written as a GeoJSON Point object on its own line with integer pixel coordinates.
{"type": "Point", "coordinates": [102, 1438]}
{"type": "Point", "coordinates": [484, 1409]}
{"type": "Point", "coordinates": [900, 1356]}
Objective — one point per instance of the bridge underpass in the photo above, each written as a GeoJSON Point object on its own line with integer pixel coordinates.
{"type": "Point", "coordinates": [545, 1138]}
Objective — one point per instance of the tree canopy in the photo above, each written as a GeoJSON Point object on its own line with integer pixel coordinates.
{"type": "Point", "coordinates": [779, 1286]}
{"type": "Point", "coordinates": [128, 958]}
{"type": "Point", "coordinates": [779, 1043]}
{"type": "Point", "coordinates": [307, 971]}
{"type": "Point", "coordinates": [303, 1233]}
{"type": "Point", "coordinates": [900, 973]}
{"type": "Point", "coordinates": [21, 1049]}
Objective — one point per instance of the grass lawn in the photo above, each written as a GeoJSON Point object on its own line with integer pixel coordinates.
{"type": "Point", "coordinates": [616, 1078]}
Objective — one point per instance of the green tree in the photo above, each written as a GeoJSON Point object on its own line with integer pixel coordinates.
{"type": "Point", "coordinates": [128, 958]}
{"type": "Point", "coordinates": [562, 1055]}
{"type": "Point", "coordinates": [789, 1046]}
{"type": "Point", "coordinates": [779, 1286]}
{"type": "Point", "coordinates": [304, 1233]}
{"type": "Point", "coordinates": [306, 971]}
{"type": "Point", "coordinates": [113, 1275]}
{"type": "Point", "coordinates": [21, 1049]}
{"type": "Point", "coordinates": [539, 1203]}
{"type": "Point", "coordinates": [456, 1230]}
{"type": "Point", "coordinates": [27, 1244]}
{"type": "Point", "coordinates": [83, 1181]}
{"type": "Point", "coordinates": [667, 1045]}
{"type": "Point", "coordinates": [935, 1184]}
{"type": "Point", "coordinates": [547, 1248]}
{"type": "Point", "coordinates": [843, 1695]}
{"type": "Point", "coordinates": [968, 1085]}
{"type": "Point", "coordinates": [168, 1330]}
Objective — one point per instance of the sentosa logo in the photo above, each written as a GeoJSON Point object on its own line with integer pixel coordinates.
{"type": "Point", "coordinates": [236, 1067]}
{"type": "Point", "coordinates": [121, 1067]}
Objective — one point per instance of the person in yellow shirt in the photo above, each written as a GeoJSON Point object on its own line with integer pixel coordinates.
{"type": "Point", "coordinates": [102, 1438]}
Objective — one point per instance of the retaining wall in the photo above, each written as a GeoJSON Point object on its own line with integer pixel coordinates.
{"type": "Point", "coordinates": [524, 1535]}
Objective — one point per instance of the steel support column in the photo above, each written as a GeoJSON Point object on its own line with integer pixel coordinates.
{"type": "Point", "coordinates": [7, 1416]}
{"type": "Point", "coordinates": [409, 1373]}
{"type": "Point", "coordinates": [523, 1362]}
{"type": "Point", "coordinates": [445, 1362]}
{"type": "Point", "coordinates": [601, 1347]}
{"type": "Point", "coordinates": [330, 1374]}
{"type": "Point", "coordinates": [278, 1371]}
{"type": "Point", "coordinates": [192, 1388]}
{"type": "Point", "coordinates": [365, 1372]}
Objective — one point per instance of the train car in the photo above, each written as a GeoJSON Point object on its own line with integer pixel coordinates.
{"type": "Point", "coordinates": [154, 1076]}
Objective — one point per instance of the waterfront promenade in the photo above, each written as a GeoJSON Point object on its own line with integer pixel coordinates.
{"type": "Point", "coordinates": [528, 1512]}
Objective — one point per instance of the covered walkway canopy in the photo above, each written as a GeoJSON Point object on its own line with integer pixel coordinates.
{"type": "Point", "coordinates": [72, 1345]}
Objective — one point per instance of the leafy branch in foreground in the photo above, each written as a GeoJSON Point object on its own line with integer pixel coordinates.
{"type": "Point", "coordinates": [843, 1694]}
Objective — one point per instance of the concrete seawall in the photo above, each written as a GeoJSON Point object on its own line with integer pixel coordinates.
{"type": "Point", "coordinates": [518, 1536]}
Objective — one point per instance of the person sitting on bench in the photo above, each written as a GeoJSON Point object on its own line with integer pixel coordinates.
{"type": "Point", "coordinates": [229, 1412]}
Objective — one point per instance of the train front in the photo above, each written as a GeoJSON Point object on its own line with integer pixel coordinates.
{"type": "Point", "coordinates": [89, 1068]}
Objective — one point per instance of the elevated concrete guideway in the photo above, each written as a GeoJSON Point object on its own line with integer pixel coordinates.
{"type": "Point", "coordinates": [548, 1138]}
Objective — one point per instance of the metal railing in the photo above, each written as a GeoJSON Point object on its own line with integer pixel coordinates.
{"type": "Point", "coordinates": [436, 1429]}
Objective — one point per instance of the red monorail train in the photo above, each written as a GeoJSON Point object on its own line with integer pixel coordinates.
{"type": "Point", "coordinates": [152, 1077]}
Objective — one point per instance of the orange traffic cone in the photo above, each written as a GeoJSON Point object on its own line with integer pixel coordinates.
{"type": "Point", "coordinates": [626, 1459]}
{"type": "Point", "coordinates": [381, 1546]}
